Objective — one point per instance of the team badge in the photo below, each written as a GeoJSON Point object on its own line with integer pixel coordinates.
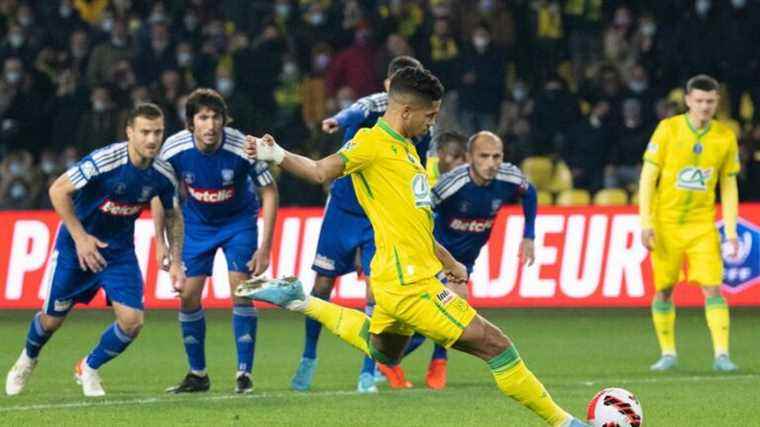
{"type": "Point", "coordinates": [146, 192]}
{"type": "Point", "coordinates": [697, 148]}
{"type": "Point", "coordinates": [742, 270]}
{"type": "Point", "coordinates": [88, 169]}
{"type": "Point", "coordinates": [120, 188]}
{"type": "Point", "coordinates": [464, 207]}
{"type": "Point", "coordinates": [227, 176]}
{"type": "Point", "coordinates": [189, 177]}
{"type": "Point", "coordinates": [693, 178]}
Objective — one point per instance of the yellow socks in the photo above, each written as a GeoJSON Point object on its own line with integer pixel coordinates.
{"type": "Point", "coordinates": [716, 312]}
{"type": "Point", "coordinates": [352, 326]}
{"type": "Point", "coordinates": [664, 319]}
{"type": "Point", "coordinates": [515, 380]}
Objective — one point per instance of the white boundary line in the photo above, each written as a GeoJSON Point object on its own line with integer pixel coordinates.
{"type": "Point", "coordinates": [291, 394]}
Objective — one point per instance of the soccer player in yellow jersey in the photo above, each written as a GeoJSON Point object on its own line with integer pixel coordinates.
{"type": "Point", "coordinates": [686, 157]}
{"type": "Point", "coordinates": [393, 190]}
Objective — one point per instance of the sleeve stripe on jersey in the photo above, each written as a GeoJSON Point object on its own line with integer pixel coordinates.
{"type": "Point", "coordinates": [76, 178]}
{"type": "Point", "coordinates": [511, 178]}
{"type": "Point", "coordinates": [105, 155]}
{"type": "Point", "coordinates": [176, 149]}
{"type": "Point", "coordinates": [237, 150]}
{"type": "Point", "coordinates": [451, 187]}
{"type": "Point", "coordinates": [450, 177]}
{"type": "Point", "coordinates": [114, 163]}
{"type": "Point", "coordinates": [265, 178]}
{"type": "Point", "coordinates": [376, 103]}
{"type": "Point", "coordinates": [165, 169]}
{"type": "Point", "coordinates": [178, 138]}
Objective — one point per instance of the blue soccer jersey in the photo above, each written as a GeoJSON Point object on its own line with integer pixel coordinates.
{"type": "Point", "coordinates": [218, 187]}
{"type": "Point", "coordinates": [465, 211]}
{"type": "Point", "coordinates": [111, 193]}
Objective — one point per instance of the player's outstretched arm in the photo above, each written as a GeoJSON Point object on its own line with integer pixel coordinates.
{"type": "Point", "coordinates": [86, 244]}
{"type": "Point", "coordinates": [317, 171]}
{"type": "Point", "coordinates": [647, 184]}
{"type": "Point", "coordinates": [159, 222]}
{"type": "Point", "coordinates": [270, 200]}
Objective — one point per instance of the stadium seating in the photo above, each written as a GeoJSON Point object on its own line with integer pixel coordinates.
{"type": "Point", "coordinates": [545, 198]}
{"type": "Point", "coordinates": [573, 198]}
{"type": "Point", "coordinates": [539, 171]}
{"type": "Point", "coordinates": [562, 178]}
{"type": "Point", "coordinates": [611, 197]}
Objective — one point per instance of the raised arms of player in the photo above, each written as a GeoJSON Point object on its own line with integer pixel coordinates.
{"type": "Point", "coordinates": [270, 200]}
{"type": "Point", "coordinates": [317, 171]}
{"type": "Point", "coordinates": [170, 226]}
{"type": "Point", "coordinates": [86, 244]}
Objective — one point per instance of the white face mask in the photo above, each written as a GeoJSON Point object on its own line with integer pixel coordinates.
{"type": "Point", "coordinates": [702, 6]}
{"type": "Point", "coordinates": [638, 86]}
{"type": "Point", "coordinates": [16, 168]}
{"type": "Point", "coordinates": [739, 4]}
{"type": "Point", "coordinates": [106, 25]}
{"type": "Point", "coordinates": [191, 22]}
{"type": "Point", "coordinates": [18, 191]}
{"type": "Point", "coordinates": [316, 18]}
{"type": "Point", "coordinates": [65, 11]}
{"type": "Point", "coordinates": [480, 42]}
{"type": "Point", "coordinates": [344, 103]}
{"type": "Point", "coordinates": [289, 70]}
{"type": "Point", "coordinates": [282, 10]}
{"type": "Point", "coordinates": [225, 86]}
{"type": "Point", "coordinates": [98, 106]}
{"type": "Point", "coordinates": [25, 20]}
{"type": "Point", "coordinates": [184, 59]}
{"type": "Point", "coordinates": [321, 61]}
{"type": "Point", "coordinates": [648, 29]}
{"type": "Point", "coordinates": [47, 167]}
{"type": "Point", "coordinates": [16, 40]}
{"type": "Point", "coordinates": [12, 77]}
{"type": "Point", "coordinates": [519, 93]}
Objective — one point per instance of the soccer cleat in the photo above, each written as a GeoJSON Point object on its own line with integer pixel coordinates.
{"type": "Point", "coordinates": [436, 374]}
{"type": "Point", "coordinates": [286, 292]}
{"type": "Point", "coordinates": [304, 375]}
{"type": "Point", "coordinates": [89, 379]}
{"type": "Point", "coordinates": [191, 384]}
{"type": "Point", "coordinates": [366, 383]}
{"type": "Point", "coordinates": [575, 422]}
{"type": "Point", "coordinates": [665, 363]}
{"type": "Point", "coordinates": [19, 374]}
{"type": "Point", "coordinates": [724, 364]}
{"type": "Point", "coordinates": [395, 376]}
{"type": "Point", "coordinates": [243, 383]}
{"type": "Point", "coordinates": [379, 377]}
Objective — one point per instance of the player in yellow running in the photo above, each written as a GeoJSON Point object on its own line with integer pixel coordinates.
{"type": "Point", "coordinates": [686, 157]}
{"type": "Point", "coordinates": [392, 188]}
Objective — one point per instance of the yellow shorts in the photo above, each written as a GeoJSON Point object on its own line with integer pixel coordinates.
{"type": "Point", "coordinates": [696, 246]}
{"type": "Point", "coordinates": [426, 306]}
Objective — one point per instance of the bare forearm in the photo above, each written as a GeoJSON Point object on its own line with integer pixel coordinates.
{"type": "Point", "coordinates": [175, 233]}
{"type": "Point", "coordinates": [159, 221]}
{"type": "Point", "coordinates": [64, 206]}
{"type": "Point", "coordinates": [444, 256]}
{"type": "Point", "coordinates": [317, 171]}
{"type": "Point", "coordinates": [269, 202]}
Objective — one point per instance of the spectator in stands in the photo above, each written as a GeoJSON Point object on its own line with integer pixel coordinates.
{"type": "Point", "coordinates": [354, 67]}
{"type": "Point", "coordinates": [100, 125]}
{"type": "Point", "coordinates": [240, 105]}
{"type": "Point", "coordinates": [740, 62]}
{"type": "Point", "coordinates": [394, 46]}
{"type": "Point", "coordinates": [157, 56]}
{"type": "Point", "coordinates": [261, 63]}
{"type": "Point", "coordinates": [28, 92]}
{"type": "Point", "coordinates": [639, 88]}
{"type": "Point", "coordinates": [108, 53]}
{"type": "Point", "coordinates": [556, 110]}
{"type": "Point", "coordinates": [481, 89]}
{"type": "Point", "coordinates": [78, 52]}
{"type": "Point", "coordinates": [441, 52]}
{"type": "Point", "coordinates": [314, 87]}
{"type": "Point", "coordinates": [16, 44]}
{"type": "Point", "coordinates": [66, 107]}
{"type": "Point", "coordinates": [20, 183]}
{"type": "Point", "coordinates": [750, 156]}
{"type": "Point", "coordinates": [624, 164]}
{"type": "Point", "coordinates": [584, 24]}
{"type": "Point", "coordinates": [62, 22]}
{"type": "Point", "coordinates": [547, 31]}
{"type": "Point", "coordinates": [587, 148]}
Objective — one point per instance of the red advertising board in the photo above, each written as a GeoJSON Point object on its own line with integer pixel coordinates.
{"type": "Point", "coordinates": [585, 257]}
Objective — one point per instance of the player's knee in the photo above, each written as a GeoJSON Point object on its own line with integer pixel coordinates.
{"type": "Point", "coordinates": [664, 295]}
{"type": "Point", "coordinates": [189, 300]}
{"type": "Point", "coordinates": [322, 287]}
{"type": "Point", "coordinates": [496, 342]}
{"type": "Point", "coordinates": [711, 291]}
{"type": "Point", "coordinates": [132, 326]}
{"type": "Point", "coordinates": [51, 323]}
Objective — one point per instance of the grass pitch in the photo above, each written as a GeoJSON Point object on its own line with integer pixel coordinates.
{"type": "Point", "coordinates": [574, 352]}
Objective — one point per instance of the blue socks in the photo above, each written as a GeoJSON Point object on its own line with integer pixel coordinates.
{"type": "Point", "coordinates": [193, 325]}
{"type": "Point", "coordinates": [439, 352]}
{"type": "Point", "coordinates": [112, 343]}
{"type": "Point", "coordinates": [313, 328]}
{"type": "Point", "coordinates": [368, 366]}
{"type": "Point", "coordinates": [414, 343]}
{"type": "Point", "coordinates": [36, 337]}
{"type": "Point", "coordinates": [244, 324]}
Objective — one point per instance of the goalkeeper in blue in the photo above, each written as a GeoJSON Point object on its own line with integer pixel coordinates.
{"type": "Point", "coordinates": [99, 199]}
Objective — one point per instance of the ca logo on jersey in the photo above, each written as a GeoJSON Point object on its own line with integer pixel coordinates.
{"type": "Point", "coordinates": [693, 178]}
{"type": "Point", "coordinates": [421, 191]}
{"type": "Point", "coordinates": [227, 176]}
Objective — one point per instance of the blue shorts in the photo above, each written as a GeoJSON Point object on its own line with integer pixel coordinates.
{"type": "Point", "coordinates": [342, 235]}
{"type": "Point", "coordinates": [69, 284]}
{"type": "Point", "coordinates": [238, 241]}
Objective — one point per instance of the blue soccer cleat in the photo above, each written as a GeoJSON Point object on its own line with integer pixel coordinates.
{"type": "Point", "coordinates": [304, 375]}
{"type": "Point", "coordinates": [286, 292]}
{"type": "Point", "coordinates": [366, 383]}
{"type": "Point", "coordinates": [665, 363]}
{"type": "Point", "coordinates": [724, 364]}
{"type": "Point", "coordinates": [575, 422]}
{"type": "Point", "coordinates": [379, 377]}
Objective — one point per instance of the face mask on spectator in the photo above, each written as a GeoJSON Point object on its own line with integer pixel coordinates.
{"type": "Point", "coordinates": [702, 7]}
{"type": "Point", "coordinates": [16, 168]}
{"type": "Point", "coordinates": [638, 86]}
{"type": "Point", "coordinates": [321, 61]}
{"type": "Point", "coordinates": [289, 70]}
{"type": "Point", "coordinates": [16, 39]}
{"type": "Point", "coordinates": [118, 41]}
{"type": "Point", "coordinates": [648, 29]}
{"type": "Point", "coordinates": [18, 191]}
{"type": "Point", "coordinates": [739, 4]}
{"type": "Point", "coordinates": [225, 86]}
{"type": "Point", "coordinates": [282, 10]}
{"type": "Point", "coordinates": [316, 19]}
{"type": "Point", "coordinates": [12, 77]}
{"type": "Point", "coordinates": [519, 93]}
{"type": "Point", "coordinates": [65, 11]}
{"type": "Point", "coordinates": [47, 166]}
{"type": "Point", "coordinates": [344, 103]}
{"type": "Point", "coordinates": [157, 18]}
{"type": "Point", "coordinates": [25, 20]}
{"type": "Point", "coordinates": [184, 59]}
{"type": "Point", "coordinates": [106, 25]}
{"type": "Point", "coordinates": [486, 5]}
{"type": "Point", "coordinates": [98, 106]}
{"type": "Point", "coordinates": [191, 22]}
{"type": "Point", "coordinates": [480, 42]}
{"type": "Point", "coordinates": [78, 52]}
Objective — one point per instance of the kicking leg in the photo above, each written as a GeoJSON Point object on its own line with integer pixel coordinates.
{"type": "Point", "coordinates": [323, 286]}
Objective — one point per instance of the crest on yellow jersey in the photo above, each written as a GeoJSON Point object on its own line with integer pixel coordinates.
{"type": "Point", "coordinates": [693, 178]}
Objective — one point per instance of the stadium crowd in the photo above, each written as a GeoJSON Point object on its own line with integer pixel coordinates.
{"type": "Point", "coordinates": [580, 82]}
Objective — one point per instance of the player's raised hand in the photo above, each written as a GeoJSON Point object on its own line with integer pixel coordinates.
{"type": "Point", "coordinates": [647, 238]}
{"type": "Point", "coordinates": [527, 252]}
{"type": "Point", "coordinates": [88, 254]}
{"type": "Point", "coordinates": [250, 146]}
{"type": "Point", "coordinates": [259, 262]}
{"type": "Point", "coordinates": [330, 125]}
{"type": "Point", "coordinates": [268, 150]}
{"type": "Point", "coordinates": [177, 276]}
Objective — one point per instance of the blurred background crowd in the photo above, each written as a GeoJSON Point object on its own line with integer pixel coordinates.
{"type": "Point", "coordinates": [577, 84]}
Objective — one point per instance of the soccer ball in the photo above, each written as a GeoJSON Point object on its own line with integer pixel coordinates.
{"type": "Point", "coordinates": [615, 407]}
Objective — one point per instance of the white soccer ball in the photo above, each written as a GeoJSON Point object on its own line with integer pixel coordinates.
{"type": "Point", "coordinates": [615, 407]}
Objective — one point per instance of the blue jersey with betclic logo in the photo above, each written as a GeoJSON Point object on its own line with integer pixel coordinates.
{"type": "Point", "coordinates": [218, 187]}
{"type": "Point", "coordinates": [111, 193]}
{"type": "Point", "coordinates": [364, 113]}
{"type": "Point", "coordinates": [465, 211]}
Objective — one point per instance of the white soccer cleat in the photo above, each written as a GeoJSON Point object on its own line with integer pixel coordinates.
{"type": "Point", "coordinates": [89, 379]}
{"type": "Point", "coordinates": [19, 374]}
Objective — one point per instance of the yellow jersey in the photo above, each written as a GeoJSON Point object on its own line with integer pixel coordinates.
{"type": "Point", "coordinates": [433, 172]}
{"type": "Point", "coordinates": [691, 162]}
{"type": "Point", "coordinates": [392, 188]}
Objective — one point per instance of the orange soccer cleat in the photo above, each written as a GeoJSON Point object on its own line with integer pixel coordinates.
{"type": "Point", "coordinates": [395, 376]}
{"type": "Point", "coordinates": [436, 374]}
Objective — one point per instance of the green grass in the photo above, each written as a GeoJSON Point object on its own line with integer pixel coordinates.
{"type": "Point", "coordinates": [574, 352]}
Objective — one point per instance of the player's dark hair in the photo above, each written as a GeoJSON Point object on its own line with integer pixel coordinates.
{"type": "Point", "coordinates": [444, 139]}
{"type": "Point", "coordinates": [417, 82]}
{"type": "Point", "coordinates": [400, 62]}
{"type": "Point", "coordinates": [205, 98]}
{"type": "Point", "coordinates": [702, 82]}
{"type": "Point", "coordinates": [144, 109]}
